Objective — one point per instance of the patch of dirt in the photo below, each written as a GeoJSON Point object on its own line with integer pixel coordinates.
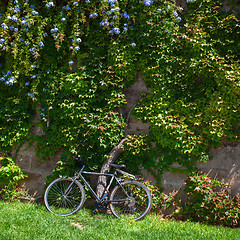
{"type": "Point", "coordinates": [78, 225]}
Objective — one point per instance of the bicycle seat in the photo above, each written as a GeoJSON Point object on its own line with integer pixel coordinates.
{"type": "Point", "coordinates": [117, 166]}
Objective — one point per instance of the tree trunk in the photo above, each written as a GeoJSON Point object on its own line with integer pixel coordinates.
{"type": "Point", "coordinates": [113, 155]}
{"type": "Point", "coordinates": [133, 96]}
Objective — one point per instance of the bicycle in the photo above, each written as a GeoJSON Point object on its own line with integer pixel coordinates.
{"type": "Point", "coordinates": [129, 199]}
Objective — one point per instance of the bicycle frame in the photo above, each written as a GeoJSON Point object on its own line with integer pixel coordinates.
{"type": "Point", "coordinates": [65, 196]}
{"type": "Point", "coordinates": [112, 175]}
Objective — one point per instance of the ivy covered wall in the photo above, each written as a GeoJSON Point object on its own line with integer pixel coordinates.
{"type": "Point", "coordinates": [71, 60]}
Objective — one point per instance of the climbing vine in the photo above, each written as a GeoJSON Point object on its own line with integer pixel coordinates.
{"type": "Point", "coordinates": [70, 62]}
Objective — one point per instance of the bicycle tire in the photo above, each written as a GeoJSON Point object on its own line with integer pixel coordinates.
{"type": "Point", "coordinates": [134, 208]}
{"type": "Point", "coordinates": [56, 201]}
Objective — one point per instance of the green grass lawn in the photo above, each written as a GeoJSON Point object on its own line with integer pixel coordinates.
{"type": "Point", "coordinates": [20, 221]}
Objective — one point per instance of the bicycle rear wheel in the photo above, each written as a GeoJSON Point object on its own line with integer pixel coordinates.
{"type": "Point", "coordinates": [134, 205]}
{"type": "Point", "coordinates": [64, 196]}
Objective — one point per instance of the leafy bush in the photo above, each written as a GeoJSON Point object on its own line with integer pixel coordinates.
{"type": "Point", "coordinates": [209, 201]}
{"type": "Point", "coordinates": [161, 201]}
{"type": "Point", "coordinates": [10, 175]}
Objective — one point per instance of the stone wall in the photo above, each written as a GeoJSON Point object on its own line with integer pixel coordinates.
{"type": "Point", "coordinates": [224, 166]}
{"type": "Point", "coordinates": [36, 170]}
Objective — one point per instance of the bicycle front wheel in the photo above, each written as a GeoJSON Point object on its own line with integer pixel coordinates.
{"type": "Point", "coordinates": [132, 201]}
{"type": "Point", "coordinates": [64, 196]}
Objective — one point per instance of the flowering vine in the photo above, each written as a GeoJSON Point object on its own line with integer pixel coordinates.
{"type": "Point", "coordinates": [74, 59]}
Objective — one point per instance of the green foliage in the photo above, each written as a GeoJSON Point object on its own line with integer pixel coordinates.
{"type": "Point", "coordinates": [10, 175]}
{"type": "Point", "coordinates": [209, 201]}
{"type": "Point", "coordinates": [161, 201]}
{"type": "Point", "coordinates": [194, 99]}
{"type": "Point", "coordinates": [71, 60]}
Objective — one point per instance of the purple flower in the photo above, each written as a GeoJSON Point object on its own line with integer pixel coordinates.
{"type": "Point", "coordinates": [133, 44]}
{"type": "Point", "coordinates": [70, 62]}
{"type": "Point", "coordinates": [14, 18]}
{"type": "Point", "coordinates": [41, 44]}
{"type": "Point", "coordinates": [30, 95]}
{"type": "Point", "coordinates": [5, 27]}
{"type": "Point", "coordinates": [92, 15]}
{"type": "Point", "coordinates": [125, 15]}
{"type": "Point", "coordinates": [32, 50]}
{"type": "Point", "coordinates": [112, 1]}
{"type": "Point", "coordinates": [8, 73]}
{"type": "Point", "coordinates": [50, 4]}
{"type": "Point", "coordinates": [104, 22]}
{"type": "Point", "coordinates": [148, 2]}
{"type": "Point", "coordinates": [115, 30]}
{"type": "Point", "coordinates": [78, 40]}
{"type": "Point", "coordinates": [179, 19]}
{"type": "Point", "coordinates": [66, 8]}
{"type": "Point", "coordinates": [23, 22]}
{"type": "Point", "coordinates": [34, 12]}
{"type": "Point", "coordinates": [10, 81]}
{"type": "Point", "coordinates": [54, 30]}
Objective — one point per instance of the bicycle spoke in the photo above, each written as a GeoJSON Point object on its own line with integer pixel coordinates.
{"type": "Point", "coordinates": [64, 196]}
{"type": "Point", "coordinates": [138, 201]}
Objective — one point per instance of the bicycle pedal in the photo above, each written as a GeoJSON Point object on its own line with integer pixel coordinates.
{"type": "Point", "coordinates": [95, 210]}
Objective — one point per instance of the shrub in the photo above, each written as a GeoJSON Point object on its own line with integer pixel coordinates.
{"type": "Point", "coordinates": [10, 175]}
{"type": "Point", "coordinates": [161, 201]}
{"type": "Point", "coordinates": [209, 201]}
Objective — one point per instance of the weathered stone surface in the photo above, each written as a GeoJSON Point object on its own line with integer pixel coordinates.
{"type": "Point", "coordinates": [36, 169]}
{"type": "Point", "coordinates": [34, 183]}
{"type": "Point", "coordinates": [224, 165]}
